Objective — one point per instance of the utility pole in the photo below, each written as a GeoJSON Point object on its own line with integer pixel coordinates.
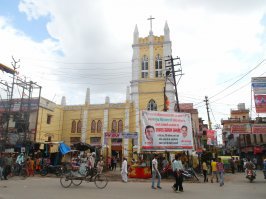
{"type": "Point", "coordinates": [208, 112]}
{"type": "Point", "coordinates": [171, 70]}
{"type": "Point", "coordinates": [15, 67]}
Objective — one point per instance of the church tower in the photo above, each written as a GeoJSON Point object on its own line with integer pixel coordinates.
{"type": "Point", "coordinates": [148, 73]}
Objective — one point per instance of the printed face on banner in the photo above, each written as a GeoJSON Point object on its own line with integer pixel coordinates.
{"type": "Point", "coordinates": [260, 103]}
{"type": "Point", "coordinates": [166, 131]}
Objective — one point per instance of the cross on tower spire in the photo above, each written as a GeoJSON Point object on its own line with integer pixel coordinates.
{"type": "Point", "coordinates": [151, 18]}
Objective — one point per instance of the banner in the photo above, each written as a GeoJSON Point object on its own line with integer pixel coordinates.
{"type": "Point", "coordinates": [166, 131]}
{"type": "Point", "coordinates": [259, 129]}
{"type": "Point", "coordinates": [241, 129]}
{"type": "Point", "coordinates": [127, 135]}
{"type": "Point", "coordinates": [260, 103]}
{"type": "Point", "coordinates": [211, 137]}
{"type": "Point", "coordinates": [112, 135]}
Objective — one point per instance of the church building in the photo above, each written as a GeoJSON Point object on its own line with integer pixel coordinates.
{"type": "Point", "coordinates": [116, 126]}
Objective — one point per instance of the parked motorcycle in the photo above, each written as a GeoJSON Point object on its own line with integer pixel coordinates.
{"type": "Point", "coordinates": [57, 170]}
{"type": "Point", "coordinates": [251, 175]}
{"type": "Point", "coordinates": [190, 174]}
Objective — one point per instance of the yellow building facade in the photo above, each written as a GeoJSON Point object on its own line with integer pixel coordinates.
{"type": "Point", "coordinates": [89, 122]}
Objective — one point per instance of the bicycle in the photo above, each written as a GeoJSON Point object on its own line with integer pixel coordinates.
{"type": "Point", "coordinates": [21, 170]}
{"type": "Point", "coordinates": [99, 179]}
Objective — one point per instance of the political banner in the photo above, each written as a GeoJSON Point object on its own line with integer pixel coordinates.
{"type": "Point", "coordinates": [166, 131]}
{"type": "Point", "coordinates": [241, 129]}
{"type": "Point", "coordinates": [260, 103]}
{"type": "Point", "coordinates": [211, 134]}
{"type": "Point", "coordinates": [259, 129]}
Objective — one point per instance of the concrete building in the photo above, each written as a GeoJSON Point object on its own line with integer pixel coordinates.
{"type": "Point", "coordinates": [240, 135]}
{"type": "Point", "coordinates": [89, 122]}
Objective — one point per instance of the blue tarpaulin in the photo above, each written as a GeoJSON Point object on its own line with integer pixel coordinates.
{"type": "Point", "coordinates": [64, 148]}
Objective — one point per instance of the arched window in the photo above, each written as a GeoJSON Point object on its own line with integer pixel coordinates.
{"type": "Point", "coordinates": [114, 126]}
{"type": "Point", "coordinates": [120, 126]}
{"type": "Point", "coordinates": [145, 67]}
{"type": "Point", "coordinates": [158, 66]}
{"type": "Point", "coordinates": [73, 127]}
{"type": "Point", "coordinates": [79, 127]}
{"type": "Point", "coordinates": [152, 106]}
{"type": "Point", "coordinates": [93, 126]}
{"type": "Point", "coordinates": [99, 126]}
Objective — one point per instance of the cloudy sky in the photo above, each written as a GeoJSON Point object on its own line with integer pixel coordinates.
{"type": "Point", "coordinates": [67, 46]}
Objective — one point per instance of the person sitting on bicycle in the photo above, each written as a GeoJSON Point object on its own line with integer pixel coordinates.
{"type": "Point", "coordinates": [91, 163]}
{"type": "Point", "coordinates": [20, 161]}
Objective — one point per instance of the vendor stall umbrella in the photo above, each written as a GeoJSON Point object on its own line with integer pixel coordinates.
{"type": "Point", "coordinates": [83, 146]}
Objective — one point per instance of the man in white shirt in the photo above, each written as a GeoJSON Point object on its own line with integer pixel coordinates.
{"type": "Point", "coordinates": [177, 169]}
{"type": "Point", "coordinates": [155, 172]}
{"type": "Point", "coordinates": [124, 170]}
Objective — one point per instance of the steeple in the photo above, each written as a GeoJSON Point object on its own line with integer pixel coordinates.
{"type": "Point", "coordinates": [128, 94]}
{"type": "Point", "coordinates": [87, 99]}
{"type": "Point", "coordinates": [136, 35]}
{"type": "Point", "coordinates": [166, 32]}
{"type": "Point", "coordinates": [63, 101]}
{"type": "Point", "coordinates": [107, 100]}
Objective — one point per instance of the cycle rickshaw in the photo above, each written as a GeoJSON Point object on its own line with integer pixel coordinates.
{"type": "Point", "coordinates": [76, 177]}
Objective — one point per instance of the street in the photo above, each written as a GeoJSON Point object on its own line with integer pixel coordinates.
{"type": "Point", "coordinates": [236, 187]}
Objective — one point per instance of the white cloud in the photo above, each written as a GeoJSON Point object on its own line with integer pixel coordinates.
{"type": "Point", "coordinates": [216, 40]}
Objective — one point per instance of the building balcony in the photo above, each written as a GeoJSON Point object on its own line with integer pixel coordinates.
{"type": "Point", "coordinates": [237, 120]}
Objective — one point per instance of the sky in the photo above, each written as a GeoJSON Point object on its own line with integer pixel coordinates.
{"type": "Point", "coordinates": [68, 46]}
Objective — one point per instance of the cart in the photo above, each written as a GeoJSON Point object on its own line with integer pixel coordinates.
{"type": "Point", "coordinates": [76, 178]}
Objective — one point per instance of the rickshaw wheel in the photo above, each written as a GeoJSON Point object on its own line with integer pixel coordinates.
{"type": "Point", "coordinates": [76, 182]}
{"type": "Point", "coordinates": [65, 181]}
{"type": "Point", "coordinates": [100, 180]}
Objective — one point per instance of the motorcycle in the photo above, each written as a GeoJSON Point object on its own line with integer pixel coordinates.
{"type": "Point", "coordinates": [250, 175]}
{"type": "Point", "coordinates": [190, 174]}
{"type": "Point", "coordinates": [57, 170]}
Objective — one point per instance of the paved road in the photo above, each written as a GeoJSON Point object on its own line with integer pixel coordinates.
{"type": "Point", "coordinates": [236, 187]}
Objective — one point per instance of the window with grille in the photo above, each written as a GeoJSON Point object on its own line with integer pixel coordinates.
{"type": "Point", "coordinates": [99, 126]}
{"type": "Point", "coordinates": [114, 126]}
{"type": "Point", "coordinates": [79, 127]}
{"type": "Point", "coordinates": [152, 106]}
{"type": "Point", "coordinates": [93, 126]}
{"type": "Point", "coordinates": [73, 127]}
{"type": "Point", "coordinates": [158, 66]}
{"type": "Point", "coordinates": [49, 119]}
{"type": "Point", "coordinates": [120, 126]}
{"type": "Point", "coordinates": [145, 67]}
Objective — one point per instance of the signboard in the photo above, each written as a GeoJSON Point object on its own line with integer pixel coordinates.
{"type": "Point", "coordinates": [211, 137]}
{"type": "Point", "coordinates": [241, 129]}
{"type": "Point", "coordinates": [166, 131]}
{"type": "Point", "coordinates": [259, 129]}
{"type": "Point", "coordinates": [259, 90]}
{"type": "Point", "coordinates": [19, 104]}
{"type": "Point", "coordinates": [127, 135]}
{"type": "Point", "coordinates": [112, 135]}
{"type": "Point", "coordinates": [260, 103]}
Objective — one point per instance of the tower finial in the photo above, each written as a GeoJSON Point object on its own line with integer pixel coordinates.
{"type": "Point", "coordinates": [166, 32]}
{"type": "Point", "coordinates": [151, 18]}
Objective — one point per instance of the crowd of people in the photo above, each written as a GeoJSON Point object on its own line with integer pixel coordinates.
{"type": "Point", "coordinates": [12, 163]}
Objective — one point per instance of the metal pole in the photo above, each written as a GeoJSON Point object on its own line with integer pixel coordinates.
{"type": "Point", "coordinates": [173, 75]}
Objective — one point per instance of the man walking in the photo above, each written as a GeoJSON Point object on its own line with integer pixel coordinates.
{"type": "Point", "coordinates": [177, 169]}
{"type": "Point", "coordinates": [214, 170]}
{"type": "Point", "coordinates": [2, 166]}
{"type": "Point", "coordinates": [124, 170]}
{"type": "Point", "coordinates": [220, 169]}
{"type": "Point", "coordinates": [155, 173]}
